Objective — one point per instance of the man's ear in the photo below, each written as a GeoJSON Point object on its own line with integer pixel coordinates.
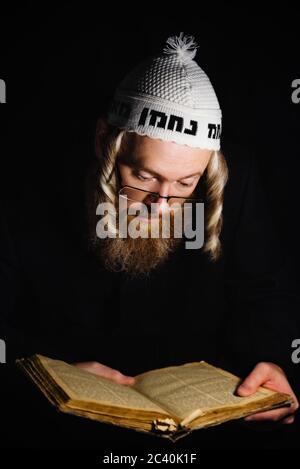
{"type": "Point", "coordinates": [102, 127]}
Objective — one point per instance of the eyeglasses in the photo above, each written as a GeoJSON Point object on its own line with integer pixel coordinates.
{"type": "Point", "coordinates": [140, 195]}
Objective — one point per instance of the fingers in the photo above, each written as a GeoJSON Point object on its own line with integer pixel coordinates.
{"type": "Point", "coordinates": [114, 375]}
{"type": "Point", "coordinates": [106, 372]}
{"type": "Point", "coordinates": [271, 415]}
{"type": "Point", "coordinates": [288, 420]}
{"type": "Point", "coordinates": [258, 376]}
{"type": "Point", "coordinates": [270, 376]}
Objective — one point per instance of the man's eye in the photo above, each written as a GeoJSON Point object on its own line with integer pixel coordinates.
{"type": "Point", "coordinates": [184, 184]}
{"type": "Point", "coordinates": [143, 178]}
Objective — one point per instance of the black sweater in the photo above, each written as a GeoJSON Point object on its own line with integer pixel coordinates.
{"type": "Point", "coordinates": [58, 300]}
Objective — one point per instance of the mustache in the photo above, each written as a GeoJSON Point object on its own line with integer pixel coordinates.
{"type": "Point", "coordinates": [155, 226]}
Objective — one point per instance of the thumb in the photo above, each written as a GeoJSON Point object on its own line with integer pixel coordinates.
{"type": "Point", "coordinates": [245, 389]}
{"type": "Point", "coordinates": [258, 376]}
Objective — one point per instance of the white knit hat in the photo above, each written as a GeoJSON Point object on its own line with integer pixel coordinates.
{"type": "Point", "coordinates": [171, 98]}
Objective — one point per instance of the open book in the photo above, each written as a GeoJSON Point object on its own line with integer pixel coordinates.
{"type": "Point", "coordinates": [170, 402]}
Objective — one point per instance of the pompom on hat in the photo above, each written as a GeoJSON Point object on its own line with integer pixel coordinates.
{"type": "Point", "coordinates": [169, 97]}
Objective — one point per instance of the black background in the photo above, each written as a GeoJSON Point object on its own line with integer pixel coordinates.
{"type": "Point", "coordinates": [61, 64]}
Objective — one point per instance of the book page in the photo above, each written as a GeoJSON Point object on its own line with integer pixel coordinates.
{"type": "Point", "coordinates": [193, 389]}
{"type": "Point", "coordinates": [84, 386]}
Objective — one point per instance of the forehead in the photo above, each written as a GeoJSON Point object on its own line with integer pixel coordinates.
{"type": "Point", "coordinates": [163, 157]}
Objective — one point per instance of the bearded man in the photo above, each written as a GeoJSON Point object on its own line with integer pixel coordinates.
{"type": "Point", "coordinates": [128, 304]}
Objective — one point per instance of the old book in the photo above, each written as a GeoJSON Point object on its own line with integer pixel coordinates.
{"type": "Point", "coordinates": [169, 402]}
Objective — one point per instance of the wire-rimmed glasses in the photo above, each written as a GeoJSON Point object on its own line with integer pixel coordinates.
{"type": "Point", "coordinates": [136, 194]}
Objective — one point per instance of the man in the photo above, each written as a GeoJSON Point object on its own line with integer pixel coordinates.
{"type": "Point", "coordinates": [156, 101]}
{"type": "Point", "coordinates": [136, 304]}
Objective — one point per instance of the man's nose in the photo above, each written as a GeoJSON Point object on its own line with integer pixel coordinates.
{"type": "Point", "coordinates": [163, 191]}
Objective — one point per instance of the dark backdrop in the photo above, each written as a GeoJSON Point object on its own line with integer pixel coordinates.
{"type": "Point", "coordinates": [62, 63]}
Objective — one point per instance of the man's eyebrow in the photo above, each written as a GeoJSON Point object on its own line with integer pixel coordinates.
{"type": "Point", "coordinates": [153, 173]}
{"type": "Point", "coordinates": [198, 173]}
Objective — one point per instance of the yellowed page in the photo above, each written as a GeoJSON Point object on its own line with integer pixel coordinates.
{"type": "Point", "coordinates": [81, 385]}
{"type": "Point", "coordinates": [190, 390]}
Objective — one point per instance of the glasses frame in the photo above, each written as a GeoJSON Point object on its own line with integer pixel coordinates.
{"type": "Point", "coordinates": [157, 194]}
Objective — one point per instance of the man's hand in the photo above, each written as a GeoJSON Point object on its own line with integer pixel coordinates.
{"type": "Point", "coordinates": [106, 372]}
{"type": "Point", "coordinates": [270, 376]}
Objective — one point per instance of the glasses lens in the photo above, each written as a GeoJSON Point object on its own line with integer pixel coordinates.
{"type": "Point", "coordinates": [136, 195]}
{"type": "Point", "coordinates": [139, 195]}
